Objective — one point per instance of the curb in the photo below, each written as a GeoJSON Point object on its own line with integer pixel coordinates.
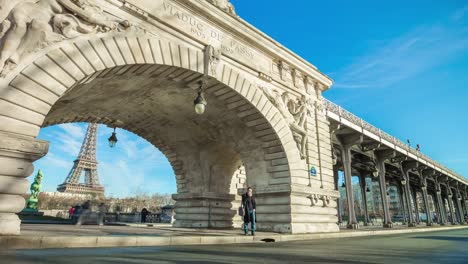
{"type": "Point", "coordinates": [49, 242]}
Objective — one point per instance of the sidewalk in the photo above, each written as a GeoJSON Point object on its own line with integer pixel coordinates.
{"type": "Point", "coordinates": [36, 236]}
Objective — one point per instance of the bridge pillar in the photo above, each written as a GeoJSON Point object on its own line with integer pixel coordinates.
{"type": "Point", "coordinates": [450, 204]}
{"type": "Point", "coordinates": [416, 205]}
{"type": "Point", "coordinates": [440, 204]}
{"type": "Point", "coordinates": [346, 144]}
{"type": "Point", "coordinates": [465, 202]}
{"type": "Point", "coordinates": [402, 200]}
{"type": "Point", "coordinates": [338, 206]}
{"type": "Point", "coordinates": [426, 206]}
{"type": "Point", "coordinates": [437, 208]}
{"type": "Point", "coordinates": [362, 183]}
{"type": "Point", "coordinates": [17, 154]}
{"type": "Point", "coordinates": [382, 156]}
{"type": "Point", "coordinates": [204, 210]}
{"type": "Point", "coordinates": [405, 168]}
{"type": "Point", "coordinates": [461, 215]}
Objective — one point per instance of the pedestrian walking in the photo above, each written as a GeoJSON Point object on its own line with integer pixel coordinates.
{"type": "Point", "coordinates": [85, 210]}
{"type": "Point", "coordinates": [144, 214]}
{"type": "Point", "coordinates": [249, 210]}
{"type": "Point", "coordinates": [102, 210]}
{"type": "Point", "coordinates": [70, 212]}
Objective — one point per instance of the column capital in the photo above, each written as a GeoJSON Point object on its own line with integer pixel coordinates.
{"type": "Point", "coordinates": [18, 146]}
{"type": "Point", "coordinates": [347, 141]}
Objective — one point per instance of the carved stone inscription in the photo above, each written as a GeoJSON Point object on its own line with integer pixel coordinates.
{"type": "Point", "coordinates": [170, 13]}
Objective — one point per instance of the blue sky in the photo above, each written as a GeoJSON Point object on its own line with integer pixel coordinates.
{"type": "Point", "coordinates": [133, 167]}
{"type": "Point", "coordinates": [400, 65]}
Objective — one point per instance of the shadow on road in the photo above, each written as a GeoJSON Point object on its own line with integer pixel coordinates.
{"type": "Point", "coordinates": [446, 238]}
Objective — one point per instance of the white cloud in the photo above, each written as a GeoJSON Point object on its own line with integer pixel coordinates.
{"type": "Point", "coordinates": [52, 160]}
{"type": "Point", "coordinates": [73, 130]}
{"type": "Point", "coordinates": [407, 56]}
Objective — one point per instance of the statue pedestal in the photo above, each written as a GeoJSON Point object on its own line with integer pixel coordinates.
{"type": "Point", "coordinates": [30, 212]}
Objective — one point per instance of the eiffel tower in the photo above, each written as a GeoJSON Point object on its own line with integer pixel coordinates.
{"type": "Point", "coordinates": [85, 163]}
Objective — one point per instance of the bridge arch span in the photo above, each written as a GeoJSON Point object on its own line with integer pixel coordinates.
{"type": "Point", "coordinates": [147, 85]}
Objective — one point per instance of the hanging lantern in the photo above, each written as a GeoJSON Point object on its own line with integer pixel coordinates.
{"type": "Point", "coordinates": [200, 102]}
{"type": "Point", "coordinates": [113, 139]}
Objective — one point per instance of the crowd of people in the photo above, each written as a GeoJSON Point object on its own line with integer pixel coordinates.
{"type": "Point", "coordinates": [81, 213]}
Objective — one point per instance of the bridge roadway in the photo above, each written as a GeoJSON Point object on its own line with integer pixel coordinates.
{"type": "Point", "coordinates": [431, 247]}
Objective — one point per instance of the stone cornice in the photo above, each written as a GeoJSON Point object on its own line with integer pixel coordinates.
{"type": "Point", "coordinates": [299, 190]}
{"type": "Point", "coordinates": [12, 145]}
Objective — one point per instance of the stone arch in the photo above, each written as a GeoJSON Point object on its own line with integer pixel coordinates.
{"type": "Point", "coordinates": [31, 94]}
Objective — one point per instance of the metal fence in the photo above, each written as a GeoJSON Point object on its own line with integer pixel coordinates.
{"type": "Point", "coordinates": [132, 218]}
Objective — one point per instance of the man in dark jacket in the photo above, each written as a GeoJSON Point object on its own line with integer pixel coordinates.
{"type": "Point", "coordinates": [249, 207]}
{"type": "Point", "coordinates": [144, 214]}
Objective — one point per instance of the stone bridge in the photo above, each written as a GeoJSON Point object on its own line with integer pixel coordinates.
{"type": "Point", "coordinates": [139, 64]}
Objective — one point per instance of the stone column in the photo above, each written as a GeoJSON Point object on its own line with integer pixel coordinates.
{"type": "Point", "coordinates": [465, 199]}
{"type": "Point", "coordinates": [465, 203]}
{"type": "Point", "coordinates": [407, 188]}
{"type": "Point", "coordinates": [362, 182]}
{"type": "Point", "coordinates": [441, 205]}
{"type": "Point", "coordinates": [402, 201]}
{"type": "Point", "coordinates": [381, 157]}
{"type": "Point", "coordinates": [460, 209]}
{"type": "Point", "coordinates": [416, 206]}
{"type": "Point", "coordinates": [338, 206]}
{"type": "Point", "coordinates": [352, 221]}
{"type": "Point", "coordinates": [426, 206]}
{"type": "Point", "coordinates": [204, 210]}
{"type": "Point", "coordinates": [17, 153]}
{"type": "Point", "coordinates": [438, 209]}
{"type": "Point", "coordinates": [450, 204]}
{"type": "Point", "coordinates": [346, 142]}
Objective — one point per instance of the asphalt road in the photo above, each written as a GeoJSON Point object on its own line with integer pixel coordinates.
{"type": "Point", "coordinates": [433, 247]}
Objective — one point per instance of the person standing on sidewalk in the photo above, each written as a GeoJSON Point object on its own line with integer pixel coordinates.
{"type": "Point", "coordinates": [249, 207]}
{"type": "Point", "coordinates": [70, 212]}
{"type": "Point", "coordinates": [86, 210]}
{"type": "Point", "coordinates": [102, 210]}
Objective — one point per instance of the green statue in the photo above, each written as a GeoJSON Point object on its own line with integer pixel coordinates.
{"type": "Point", "coordinates": [36, 187]}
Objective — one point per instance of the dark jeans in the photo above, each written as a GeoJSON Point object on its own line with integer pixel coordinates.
{"type": "Point", "coordinates": [252, 222]}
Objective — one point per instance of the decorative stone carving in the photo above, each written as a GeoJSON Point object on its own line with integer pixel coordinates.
{"type": "Point", "coordinates": [28, 26]}
{"type": "Point", "coordinates": [264, 77]}
{"type": "Point", "coordinates": [224, 5]}
{"type": "Point", "coordinates": [212, 59]}
{"type": "Point", "coordinates": [326, 200]}
{"type": "Point", "coordinates": [314, 199]}
{"type": "Point", "coordinates": [294, 111]}
{"type": "Point", "coordinates": [334, 157]}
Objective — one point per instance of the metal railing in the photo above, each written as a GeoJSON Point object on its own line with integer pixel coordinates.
{"type": "Point", "coordinates": [343, 113]}
{"type": "Point", "coordinates": [133, 218]}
